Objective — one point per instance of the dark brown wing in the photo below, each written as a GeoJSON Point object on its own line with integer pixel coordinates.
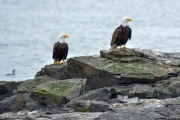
{"type": "Point", "coordinates": [65, 50]}
{"type": "Point", "coordinates": [129, 31]}
{"type": "Point", "coordinates": [60, 51]}
{"type": "Point", "coordinates": [55, 50]}
{"type": "Point", "coordinates": [116, 35]}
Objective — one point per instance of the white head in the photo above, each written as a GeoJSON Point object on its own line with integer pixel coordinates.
{"type": "Point", "coordinates": [125, 21]}
{"type": "Point", "coordinates": [62, 38]}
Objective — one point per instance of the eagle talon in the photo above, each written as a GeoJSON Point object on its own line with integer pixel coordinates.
{"type": "Point", "coordinates": [57, 63]}
{"type": "Point", "coordinates": [62, 62]}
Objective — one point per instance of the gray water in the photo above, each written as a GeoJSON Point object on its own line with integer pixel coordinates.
{"type": "Point", "coordinates": [29, 28]}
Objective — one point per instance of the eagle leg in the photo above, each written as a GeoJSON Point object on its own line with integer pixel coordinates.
{"type": "Point", "coordinates": [57, 62]}
{"type": "Point", "coordinates": [62, 62]}
{"type": "Point", "coordinates": [114, 46]}
{"type": "Point", "coordinates": [124, 46]}
{"type": "Point", "coordinates": [121, 47]}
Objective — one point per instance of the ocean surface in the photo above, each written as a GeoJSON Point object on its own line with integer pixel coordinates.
{"type": "Point", "coordinates": [29, 28]}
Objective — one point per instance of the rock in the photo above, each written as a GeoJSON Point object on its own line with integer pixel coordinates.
{"type": "Point", "coordinates": [106, 94]}
{"type": "Point", "coordinates": [98, 106]}
{"type": "Point", "coordinates": [13, 104]}
{"type": "Point", "coordinates": [93, 101]}
{"type": "Point", "coordinates": [101, 94]}
{"type": "Point", "coordinates": [130, 100]}
{"type": "Point", "coordinates": [90, 106]}
{"type": "Point", "coordinates": [121, 84]}
{"type": "Point", "coordinates": [174, 86]}
{"type": "Point", "coordinates": [129, 114]}
{"type": "Point", "coordinates": [55, 71]}
{"type": "Point", "coordinates": [27, 97]}
{"type": "Point", "coordinates": [122, 66]}
{"type": "Point", "coordinates": [56, 92]}
{"type": "Point", "coordinates": [90, 95]}
{"type": "Point", "coordinates": [87, 67]}
{"type": "Point", "coordinates": [146, 91]}
{"type": "Point", "coordinates": [80, 105]}
{"type": "Point", "coordinates": [27, 86]}
{"type": "Point", "coordinates": [123, 90]}
{"type": "Point", "coordinates": [33, 106]}
{"type": "Point", "coordinates": [76, 116]}
{"type": "Point", "coordinates": [6, 88]}
{"type": "Point", "coordinates": [124, 100]}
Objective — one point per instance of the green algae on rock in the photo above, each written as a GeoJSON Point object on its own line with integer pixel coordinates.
{"type": "Point", "coordinates": [120, 67]}
{"type": "Point", "coordinates": [58, 91]}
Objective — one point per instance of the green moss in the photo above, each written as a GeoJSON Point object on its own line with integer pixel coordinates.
{"type": "Point", "coordinates": [54, 88]}
{"type": "Point", "coordinates": [82, 109]}
{"type": "Point", "coordinates": [141, 69]}
{"type": "Point", "coordinates": [54, 98]}
{"type": "Point", "coordinates": [40, 91]}
{"type": "Point", "coordinates": [59, 88]}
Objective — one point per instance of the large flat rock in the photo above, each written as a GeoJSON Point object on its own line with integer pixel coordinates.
{"type": "Point", "coordinates": [122, 66]}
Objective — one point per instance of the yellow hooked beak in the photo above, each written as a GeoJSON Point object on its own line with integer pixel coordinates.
{"type": "Point", "coordinates": [129, 19]}
{"type": "Point", "coordinates": [66, 36]}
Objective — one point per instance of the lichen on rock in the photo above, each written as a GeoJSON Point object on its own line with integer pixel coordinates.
{"type": "Point", "coordinates": [58, 92]}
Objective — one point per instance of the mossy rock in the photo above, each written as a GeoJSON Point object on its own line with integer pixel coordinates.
{"type": "Point", "coordinates": [59, 92]}
{"type": "Point", "coordinates": [116, 67]}
{"type": "Point", "coordinates": [28, 85]}
{"type": "Point", "coordinates": [145, 69]}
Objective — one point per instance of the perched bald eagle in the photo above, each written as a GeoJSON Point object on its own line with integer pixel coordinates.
{"type": "Point", "coordinates": [121, 34]}
{"type": "Point", "coordinates": [60, 50]}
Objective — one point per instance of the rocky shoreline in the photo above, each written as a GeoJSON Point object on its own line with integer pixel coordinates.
{"type": "Point", "coordinates": [119, 84]}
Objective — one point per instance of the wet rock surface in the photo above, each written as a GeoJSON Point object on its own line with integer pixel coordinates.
{"type": "Point", "coordinates": [6, 88]}
{"type": "Point", "coordinates": [120, 84]}
{"type": "Point", "coordinates": [13, 103]}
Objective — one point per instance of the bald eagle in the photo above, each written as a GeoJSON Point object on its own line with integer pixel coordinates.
{"type": "Point", "coordinates": [60, 50]}
{"type": "Point", "coordinates": [121, 34]}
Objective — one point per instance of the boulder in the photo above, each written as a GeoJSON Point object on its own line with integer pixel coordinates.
{"type": "Point", "coordinates": [27, 86]}
{"type": "Point", "coordinates": [122, 66]}
{"type": "Point", "coordinates": [90, 106]}
{"type": "Point", "coordinates": [174, 86]}
{"type": "Point", "coordinates": [87, 67]}
{"type": "Point", "coordinates": [12, 104]}
{"type": "Point", "coordinates": [55, 71]}
{"type": "Point", "coordinates": [55, 92]}
{"type": "Point", "coordinates": [123, 89]}
{"type": "Point", "coordinates": [101, 94]}
{"type": "Point", "coordinates": [136, 54]}
{"type": "Point", "coordinates": [6, 88]}
{"type": "Point", "coordinates": [34, 105]}
{"type": "Point", "coordinates": [93, 101]}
